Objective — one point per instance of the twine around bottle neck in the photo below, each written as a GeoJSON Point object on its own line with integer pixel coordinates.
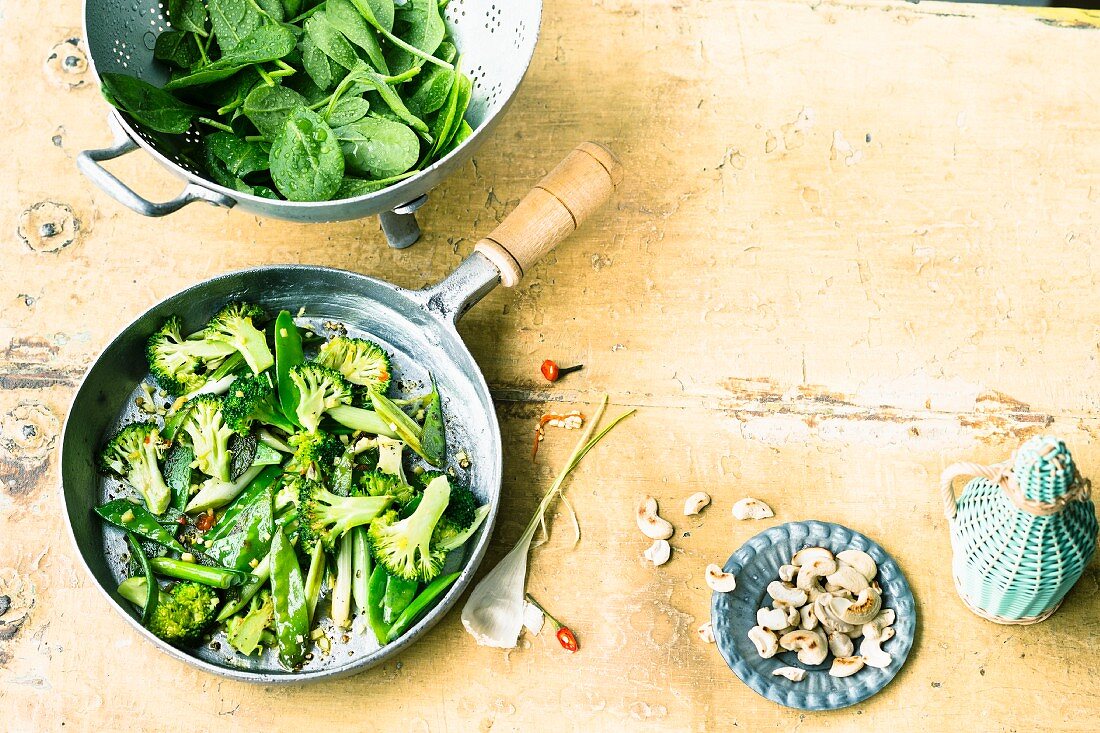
{"type": "Point", "coordinates": [1002, 476]}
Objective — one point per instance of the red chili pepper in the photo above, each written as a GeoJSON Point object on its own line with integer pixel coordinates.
{"type": "Point", "coordinates": [565, 635]}
{"type": "Point", "coordinates": [205, 521]}
{"type": "Point", "coordinates": [553, 372]}
{"type": "Point", "coordinates": [567, 640]}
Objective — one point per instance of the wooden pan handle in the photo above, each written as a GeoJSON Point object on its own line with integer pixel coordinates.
{"type": "Point", "coordinates": [554, 208]}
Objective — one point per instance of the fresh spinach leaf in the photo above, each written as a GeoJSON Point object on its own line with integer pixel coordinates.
{"type": "Point", "coordinates": [447, 120]}
{"type": "Point", "coordinates": [266, 43]}
{"type": "Point", "coordinates": [306, 162]}
{"type": "Point", "coordinates": [378, 148]}
{"type": "Point", "coordinates": [464, 131]}
{"type": "Point", "coordinates": [232, 21]}
{"type": "Point", "coordinates": [430, 92]}
{"type": "Point", "coordinates": [148, 105]}
{"type": "Point", "coordinates": [347, 111]}
{"type": "Point", "coordinates": [273, 9]}
{"type": "Point", "coordinates": [392, 100]}
{"type": "Point", "coordinates": [240, 157]}
{"type": "Point", "coordinates": [426, 31]}
{"type": "Point", "coordinates": [316, 63]}
{"type": "Point", "coordinates": [378, 13]}
{"type": "Point", "coordinates": [268, 107]}
{"type": "Point", "coordinates": [325, 36]}
{"type": "Point", "coordinates": [349, 21]}
{"type": "Point", "coordinates": [352, 187]}
{"type": "Point", "coordinates": [176, 48]}
{"type": "Point", "coordinates": [188, 15]}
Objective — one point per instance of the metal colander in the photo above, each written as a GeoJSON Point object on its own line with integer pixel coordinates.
{"type": "Point", "coordinates": [495, 40]}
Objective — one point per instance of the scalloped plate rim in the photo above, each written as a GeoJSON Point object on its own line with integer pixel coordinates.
{"type": "Point", "coordinates": [780, 690]}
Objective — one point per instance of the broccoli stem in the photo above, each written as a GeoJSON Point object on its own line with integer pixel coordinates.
{"type": "Point", "coordinates": [313, 579]}
{"type": "Point", "coordinates": [215, 493]}
{"type": "Point", "coordinates": [357, 418]}
{"type": "Point", "coordinates": [135, 590]}
{"type": "Point", "coordinates": [271, 441]}
{"type": "Point", "coordinates": [341, 589]}
{"type": "Point", "coordinates": [182, 570]}
{"type": "Point", "coordinates": [360, 568]}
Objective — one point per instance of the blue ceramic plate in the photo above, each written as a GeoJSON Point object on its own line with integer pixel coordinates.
{"type": "Point", "coordinates": [756, 564]}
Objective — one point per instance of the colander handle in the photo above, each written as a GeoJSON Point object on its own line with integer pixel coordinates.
{"type": "Point", "coordinates": [559, 203]}
{"type": "Point", "coordinates": [88, 162]}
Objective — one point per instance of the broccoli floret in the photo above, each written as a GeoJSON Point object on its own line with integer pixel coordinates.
{"type": "Point", "coordinates": [182, 365]}
{"type": "Point", "coordinates": [233, 326]}
{"type": "Point", "coordinates": [461, 507]}
{"type": "Point", "coordinates": [405, 546]}
{"type": "Point", "coordinates": [376, 483]}
{"type": "Point", "coordinates": [253, 398]}
{"type": "Point", "coordinates": [319, 388]}
{"type": "Point", "coordinates": [314, 454]}
{"type": "Point", "coordinates": [209, 434]}
{"type": "Point", "coordinates": [182, 615]}
{"type": "Point", "coordinates": [133, 455]}
{"type": "Point", "coordinates": [361, 361]}
{"type": "Point", "coordinates": [323, 516]}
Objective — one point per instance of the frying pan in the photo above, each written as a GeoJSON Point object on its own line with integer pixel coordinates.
{"type": "Point", "coordinates": [416, 327]}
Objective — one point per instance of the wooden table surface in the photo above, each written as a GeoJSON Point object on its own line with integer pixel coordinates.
{"type": "Point", "coordinates": [855, 244]}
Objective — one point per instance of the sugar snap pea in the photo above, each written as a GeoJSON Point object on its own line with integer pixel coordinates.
{"type": "Point", "coordinates": [419, 605]}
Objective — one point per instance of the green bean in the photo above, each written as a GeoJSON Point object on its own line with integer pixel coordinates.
{"type": "Point", "coordinates": [288, 354]}
{"type": "Point", "coordinates": [419, 605]}
{"type": "Point", "coordinates": [140, 521]}
{"type": "Point", "coordinates": [183, 570]}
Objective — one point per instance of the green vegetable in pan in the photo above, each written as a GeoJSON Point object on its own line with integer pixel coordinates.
{"type": "Point", "coordinates": [282, 493]}
{"type": "Point", "coordinates": [286, 102]}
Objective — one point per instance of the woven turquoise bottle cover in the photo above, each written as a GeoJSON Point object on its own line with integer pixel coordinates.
{"type": "Point", "coordinates": [1044, 469]}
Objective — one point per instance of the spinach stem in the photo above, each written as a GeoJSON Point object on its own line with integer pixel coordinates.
{"type": "Point", "coordinates": [255, 138]}
{"type": "Point", "coordinates": [215, 124]}
{"type": "Point", "coordinates": [303, 16]}
{"type": "Point", "coordinates": [202, 50]}
{"type": "Point", "coordinates": [266, 77]}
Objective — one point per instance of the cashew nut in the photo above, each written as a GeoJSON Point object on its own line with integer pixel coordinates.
{"type": "Point", "coordinates": [787, 573]}
{"type": "Point", "coordinates": [750, 508]}
{"type": "Point", "coordinates": [860, 611]}
{"type": "Point", "coordinates": [807, 555]}
{"type": "Point", "coordinates": [841, 645]}
{"type": "Point", "coordinates": [652, 526]}
{"type": "Point", "coordinates": [814, 567]}
{"type": "Point", "coordinates": [876, 626]}
{"type": "Point", "coordinates": [860, 561]}
{"type": "Point", "coordinates": [719, 580]}
{"type": "Point", "coordinates": [786, 595]}
{"type": "Point", "coordinates": [829, 621]}
{"type": "Point", "coordinates": [808, 619]}
{"type": "Point", "coordinates": [872, 653]}
{"type": "Point", "coordinates": [767, 645]}
{"type": "Point", "coordinates": [658, 553]}
{"type": "Point", "coordinates": [812, 646]}
{"type": "Point", "coordinates": [706, 633]}
{"type": "Point", "coordinates": [772, 619]}
{"type": "Point", "coordinates": [696, 503]}
{"type": "Point", "coordinates": [848, 578]}
{"type": "Point", "coordinates": [794, 674]}
{"type": "Point", "coordinates": [846, 666]}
